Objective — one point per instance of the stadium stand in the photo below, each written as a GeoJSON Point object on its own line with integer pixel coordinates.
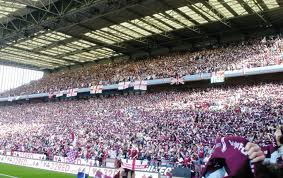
{"type": "Point", "coordinates": [177, 127]}
{"type": "Point", "coordinates": [232, 56]}
{"type": "Point", "coordinates": [189, 128]}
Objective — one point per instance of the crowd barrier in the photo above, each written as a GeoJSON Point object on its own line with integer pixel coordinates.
{"type": "Point", "coordinates": [56, 166]}
{"type": "Point", "coordinates": [187, 78]}
{"type": "Point", "coordinates": [69, 168]}
{"type": "Point", "coordinates": [40, 163]}
{"type": "Point", "coordinates": [136, 165]}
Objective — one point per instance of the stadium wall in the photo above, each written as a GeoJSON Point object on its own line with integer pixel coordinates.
{"type": "Point", "coordinates": [55, 166]}
{"type": "Point", "coordinates": [68, 168]}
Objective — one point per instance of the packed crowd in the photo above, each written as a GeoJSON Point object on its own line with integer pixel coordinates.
{"type": "Point", "coordinates": [177, 127]}
{"type": "Point", "coordinates": [233, 56]}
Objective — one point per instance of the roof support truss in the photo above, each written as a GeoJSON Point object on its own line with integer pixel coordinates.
{"type": "Point", "coordinates": [228, 8]}
{"type": "Point", "coordinates": [164, 34]}
{"type": "Point", "coordinates": [221, 19]}
{"type": "Point", "coordinates": [169, 17]}
{"type": "Point", "coordinates": [252, 11]}
{"type": "Point", "coordinates": [261, 4]}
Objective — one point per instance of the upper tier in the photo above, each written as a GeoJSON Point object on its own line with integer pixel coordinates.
{"type": "Point", "coordinates": [246, 54]}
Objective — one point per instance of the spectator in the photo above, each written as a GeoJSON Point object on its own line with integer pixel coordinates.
{"type": "Point", "coordinates": [176, 127]}
{"type": "Point", "coordinates": [235, 56]}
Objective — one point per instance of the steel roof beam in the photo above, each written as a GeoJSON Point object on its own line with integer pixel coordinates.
{"type": "Point", "coordinates": [194, 29]}
{"type": "Point", "coordinates": [44, 24]}
{"type": "Point", "coordinates": [131, 36]}
{"type": "Point", "coordinates": [91, 40]}
{"type": "Point", "coordinates": [100, 43]}
{"type": "Point", "coordinates": [154, 25]}
{"type": "Point", "coordinates": [28, 18]}
{"type": "Point", "coordinates": [251, 11]}
{"type": "Point", "coordinates": [228, 8]}
{"type": "Point", "coordinates": [199, 13]}
{"type": "Point", "coordinates": [261, 4]}
{"type": "Point", "coordinates": [79, 51]}
{"type": "Point", "coordinates": [54, 20]}
{"type": "Point", "coordinates": [53, 44]}
{"type": "Point", "coordinates": [114, 23]}
{"type": "Point", "coordinates": [280, 3]}
{"type": "Point", "coordinates": [62, 42]}
{"type": "Point", "coordinates": [187, 16]}
{"type": "Point", "coordinates": [15, 64]}
{"type": "Point", "coordinates": [222, 18]}
{"type": "Point", "coordinates": [5, 27]}
{"type": "Point", "coordinates": [48, 62]}
{"type": "Point", "coordinates": [120, 48]}
{"type": "Point", "coordinates": [108, 37]}
{"type": "Point", "coordinates": [43, 54]}
{"type": "Point", "coordinates": [165, 23]}
{"type": "Point", "coordinates": [141, 27]}
{"type": "Point", "coordinates": [246, 6]}
{"type": "Point", "coordinates": [205, 3]}
{"type": "Point", "coordinates": [146, 42]}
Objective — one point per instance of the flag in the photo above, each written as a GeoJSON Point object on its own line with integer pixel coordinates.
{"type": "Point", "coordinates": [50, 95]}
{"type": "Point", "coordinates": [217, 77]}
{"type": "Point", "coordinates": [263, 40]}
{"type": "Point", "coordinates": [134, 164]}
{"type": "Point", "coordinates": [220, 73]}
{"type": "Point", "coordinates": [178, 80]}
{"type": "Point", "coordinates": [278, 60]}
{"type": "Point", "coordinates": [140, 85]}
{"type": "Point", "coordinates": [72, 92]}
{"type": "Point", "coordinates": [74, 141]}
{"type": "Point", "coordinates": [72, 136]}
{"type": "Point", "coordinates": [82, 174]}
{"type": "Point", "coordinates": [244, 70]}
{"type": "Point", "coordinates": [10, 99]}
{"type": "Point", "coordinates": [71, 156]}
{"type": "Point", "coordinates": [123, 85]}
{"type": "Point", "coordinates": [225, 151]}
{"type": "Point", "coordinates": [59, 94]}
{"type": "Point", "coordinates": [96, 89]}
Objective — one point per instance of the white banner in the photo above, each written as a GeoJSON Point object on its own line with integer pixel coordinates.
{"type": "Point", "coordinates": [123, 85]}
{"type": "Point", "coordinates": [79, 161]}
{"type": "Point", "coordinates": [59, 94]}
{"type": "Point", "coordinates": [146, 174]}
{"type": "Point", "coordinates": [134, 164]}
{"type": "Point", "coordinates": [177, 81]}
{"type": "Point", "coordinates": [29, 155]}
{"type": "Point", "coordinates": [96, 89]}
{"type": "Point", "coordinates": [217, 77]}
{"type": "Point", "coordinates": [88, 162]}
{"type": "Point", "coordinates": [60, 159]}
{"type": "Point", "coordinates": [2, 152]}
{"type": "Point", "coordinates": [72, 92]}
{"type": "Point", "coordinates": [55, 166]}
{"type": "Point", "coordinates": [140, 85]}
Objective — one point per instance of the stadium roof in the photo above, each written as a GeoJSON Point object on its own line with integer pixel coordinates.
{"type": "Point", "coordinates": [49, 34]}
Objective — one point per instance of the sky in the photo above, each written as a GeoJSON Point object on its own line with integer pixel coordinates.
{"type": "Point", "coordinates": [12, 77]}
